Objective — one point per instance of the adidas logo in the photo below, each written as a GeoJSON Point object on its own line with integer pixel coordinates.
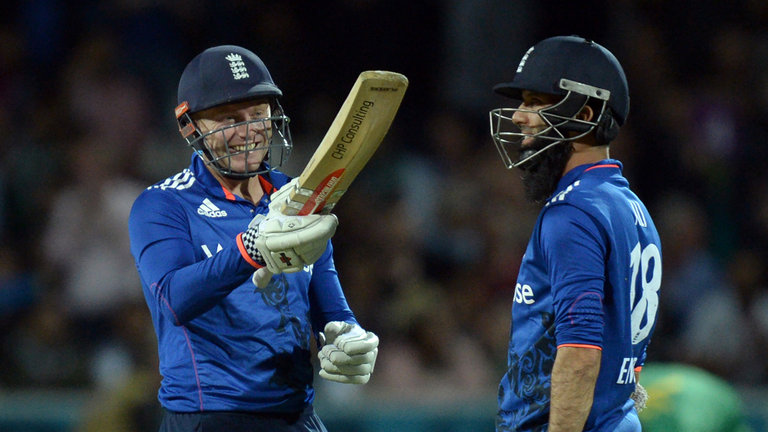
{"type": "Point", "coordinates": [207, 208]}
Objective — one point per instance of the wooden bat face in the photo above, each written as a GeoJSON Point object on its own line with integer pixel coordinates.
{"type": "Point", "coordinates": [353, 137]}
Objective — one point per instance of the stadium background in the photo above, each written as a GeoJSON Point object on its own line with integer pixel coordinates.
{"type": "Point", "coordinates": [432, 231]}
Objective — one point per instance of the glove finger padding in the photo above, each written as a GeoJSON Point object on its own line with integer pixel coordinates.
{"type": "Point", "coordinates": [349, 353]}
{"type": "Point", "coordinates": [338, 357]}
{"type": "Point", "coordinates": [345, 379]}
{"type": "Point", "coordinates": [347, 374]}
{"type": "Point", "coordinates": [350, 338]}
{"type": "Point", "coordinates": [283, 232]}
{"type": "Point", "coordinates": [357, 344]}
{"type": "Point", "coordinates": [333, 329]}
{"type": "Point", "coordinates": [349, 370]}
{"type": "Point", "coordinates": [282, 197]}
{"type": "Point", "coordinates": [358, 365]}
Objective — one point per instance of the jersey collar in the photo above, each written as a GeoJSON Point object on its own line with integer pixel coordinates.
{"type": "Point", "coordinates": [604, 168]}
{"type": "Point", "coordinates": [214, 187]}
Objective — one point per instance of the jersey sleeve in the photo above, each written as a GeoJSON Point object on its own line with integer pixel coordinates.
{"type": "Point", "coordinates": [162, 247]}
{"type": "Point", "coordinates": [327, 300]}
{"type": "Point", "coordinates": [575, 252]}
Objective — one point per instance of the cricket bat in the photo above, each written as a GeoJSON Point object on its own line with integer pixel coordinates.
{"type": "Point", "coordinates": [353, 137]}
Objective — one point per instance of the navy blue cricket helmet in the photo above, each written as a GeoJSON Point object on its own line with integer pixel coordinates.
{"type": "Point", "coordinates": [222, 75]}
{"type": "Point", "coordinates": [573, 58]}
{"type": "Point", "coordinates": [229, 74]}
{"type": "Point", "coordinates": [580, 70]}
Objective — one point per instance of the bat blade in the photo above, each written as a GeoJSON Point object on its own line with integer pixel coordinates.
{"type": "Point", "coordinates": [356, 132]}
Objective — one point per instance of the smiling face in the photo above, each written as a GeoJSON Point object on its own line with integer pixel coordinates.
{"type": "Point", "coordinates": [528, 117]}
{"type": "Point", "coordinates": [237, 135]}
{"type": "Point", "coordinates": [523, 133]}
{"type": "Point", "coordinates": [542, 150]}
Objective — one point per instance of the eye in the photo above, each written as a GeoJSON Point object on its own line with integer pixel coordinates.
{"type": "Point", "coordinates": [225, 120]}
{"type": "Point", "coordinates": [261, 113]}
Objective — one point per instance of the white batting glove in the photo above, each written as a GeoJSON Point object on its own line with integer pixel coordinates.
{"type": "Point", "coordinates": [280, 253]}
{"type": "Point", "coordinates": [348, 354]}
{"type": "Point", "coordinates": [281, 198]}
{"type": "Point", "coordinates": [285, 244]}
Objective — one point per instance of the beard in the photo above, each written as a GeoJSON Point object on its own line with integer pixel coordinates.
{"type": "Point", "coordinates": [543, 172]}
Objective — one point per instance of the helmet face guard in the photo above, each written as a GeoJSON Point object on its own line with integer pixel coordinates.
{"type": "Point", "coordinates": [560, 120]}
{"type": "Point", "coordinates": [216, 149]}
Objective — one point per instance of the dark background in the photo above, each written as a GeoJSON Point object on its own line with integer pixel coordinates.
{"type": "Point", "coordinates": [433, 230]}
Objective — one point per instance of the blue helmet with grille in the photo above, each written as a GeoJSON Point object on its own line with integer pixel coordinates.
{"type": "Point", "coordinates": [583, 72]}
{"type": "Point", "coordinates": [225, 74]}
{"type": "Point", "coordinates": [229, 74]}
{"type": "Point", "coordinates": [575, 59]}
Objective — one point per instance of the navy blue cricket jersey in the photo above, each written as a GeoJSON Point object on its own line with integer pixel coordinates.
{"type": "Point", "coordinates": [590, 277]}
{"type": "Point", "coordinates": [223, 344]}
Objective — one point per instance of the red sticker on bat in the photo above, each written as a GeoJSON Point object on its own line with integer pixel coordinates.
{"type": "Point", "coordinates": [316, 201]}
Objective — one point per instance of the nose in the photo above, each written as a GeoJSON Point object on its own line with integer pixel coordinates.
{"type": "Point", "coordinates": [520, 117]}
{"type": "Point", "coordinates": [242, 129]}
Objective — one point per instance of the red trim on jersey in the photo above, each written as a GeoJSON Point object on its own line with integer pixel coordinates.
{"type": "Point", "coordinates": [580, 346]}
{"type": "Point", "coordinates": [266, 186]}
{"type": "Point", "coordinates": [638, 369]}
{"type": "Point", "coordinates": [602, 166]}
{"type": "Point", "coordinates": [244, 253]}
{"type": "Point", "coordinates": [227, 194]}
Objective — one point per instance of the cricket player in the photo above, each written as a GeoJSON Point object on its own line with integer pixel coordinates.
{"type": "Point", "coordinates": [235, 356]}
{"type": "Point", "coordinates": [587, 291]}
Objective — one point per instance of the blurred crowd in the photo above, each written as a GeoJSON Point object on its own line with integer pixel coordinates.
{"type": "Point", "coordinates": [432, 232]}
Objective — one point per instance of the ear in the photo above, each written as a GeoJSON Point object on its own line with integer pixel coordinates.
{"type": "Point", "coordinates": [586, 114]}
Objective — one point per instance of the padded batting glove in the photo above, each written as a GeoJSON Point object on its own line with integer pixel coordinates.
{"type": "Point", "coordinates": [348, 354]}
{"type": "Point", "coordinates": [311, 234]}
{"type": "Point", "coordinates": [285, 244]}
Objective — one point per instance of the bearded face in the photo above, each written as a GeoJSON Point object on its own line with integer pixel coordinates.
{"type": "Point", "coordinates": [542, 173]}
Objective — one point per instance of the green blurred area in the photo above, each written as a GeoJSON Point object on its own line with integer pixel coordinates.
{"type": "Point", "coordinates": [683, 398]}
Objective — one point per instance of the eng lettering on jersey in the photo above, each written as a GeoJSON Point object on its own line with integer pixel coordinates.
{"type": "Point", "coordinates": [207, 251]}
{"type": "Point", "coordinates": [627, 371]}
{"type": "Point", "coordinates": [524, 294]}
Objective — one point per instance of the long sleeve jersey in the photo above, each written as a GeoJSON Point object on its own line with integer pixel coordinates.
{"type": "Point", "coordinates": [223, 343]}
{"type": "Point", "coordinates": [590, 277]}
